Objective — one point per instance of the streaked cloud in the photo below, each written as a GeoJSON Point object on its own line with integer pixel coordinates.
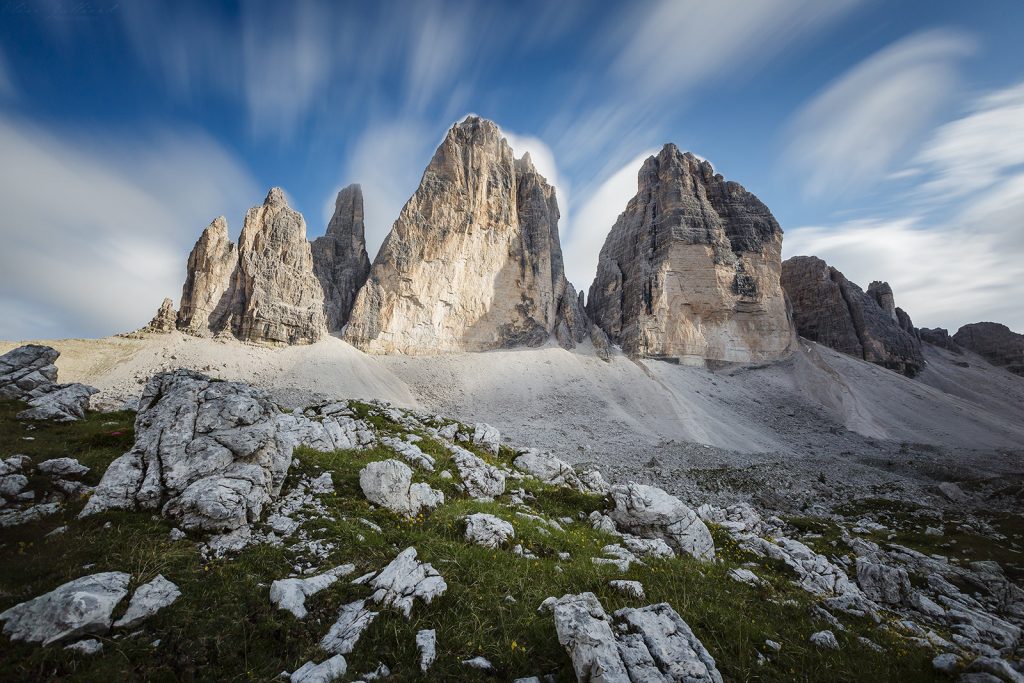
{"type": "Point", "coordinates": [957, 255]}
{"type": "Point", "coordinates": [582, 242]}
{"type": "Point", "coordinates": [853, 132]}
{"type": "Point", "coordinates": [113, 222]}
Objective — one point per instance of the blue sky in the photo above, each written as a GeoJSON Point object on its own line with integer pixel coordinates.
{"type": "Point", "coordinates": [886, 137]}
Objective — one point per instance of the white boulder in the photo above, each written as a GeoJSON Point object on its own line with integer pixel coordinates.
{"type": "Point", "coordinates": [388, 483]}
{"type": "Point", "coordinates": [149, 599]}
{"type": "Point", "coordinates": [650, 512]}
{"type": "Point", "coordinates": [488, 530]}
{"type": "Point", "coordinates": [80, 607]}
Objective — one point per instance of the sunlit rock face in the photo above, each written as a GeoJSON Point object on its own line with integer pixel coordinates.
{"type": "Point", "coordinates": [690, 270]}
{"type": "Point", "coordinates": [473, 262]}
{"type": "Point", "coordinates": [264, 290]}
{"type": "Point", "coordinates": [204, 297]}
{"type": "Point", "coordinates": [339, 257]}
{"type": "Point", "coordinates": [831, 310]}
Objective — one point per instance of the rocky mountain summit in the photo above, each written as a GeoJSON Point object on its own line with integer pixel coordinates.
{"type": "Point", "coordinates": [996, 343]}
{"type": "Point", "coordinates": [831, 310]}
{"type": "Point", "coordinates": [339, 257]}
{"type": "Point", "coordinates": [690, 270]}
{"type": "Point", "coordinates": [262, 290]}
{"type": "Point", "coordinates": [474, 260]}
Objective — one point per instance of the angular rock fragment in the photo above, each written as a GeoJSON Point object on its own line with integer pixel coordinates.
{"type": "Point", "coordinates": [826, 640]}
{"type": "Point", "coordinates": [426, 643]}
{"type": "Point", "coordinates": [483, 481]}
{"type": "Point", "coordinates": [149, 599]}
{"type": "Point", "coordinates": [487, 436]}
{"type": "Point", "coordinates": [80, 607]}
{"type": "Point", "coordinates": [389, 483]}
{"type": "Point", "coordinates": [165, 320]}
{"type": "Point", "coordinates": [352, 620]}
{"type": "Point", "coordinates": [90, 646]}
{"type": "Point", "coordinates": [648, 644]}
{"type": "Point", "coordinates": [325, 672]}
{"type": "Point", "coordinates": [650, 512]}
{"type": "Point", "coordinates": [62, 467]}
{"type": "Point", "coordinates": [634, 589]}
{"type": "Point", "coordinates": [883, 583]}
{"type": "Point", "coordinates": [28, 371]}
{"type": "Point", "coordinates": [404, 580]}
{"type": "Point", "coordinates": [62, 403]}
{"type": "Point", "coordinates": [291, 594]}
{"type": "Point", "coordinates": [488, 530]}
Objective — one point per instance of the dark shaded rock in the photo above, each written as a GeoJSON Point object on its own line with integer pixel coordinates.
{"type": "Point", "coordinates": [940, 337]}
{"type": "Point", "coordinates": [339, 257]}
{"type": "Point", "coordinates": [994, 342]}
{"type": "Point", "coordinates": [691, 269]}
{"type": "Point", "coordinates": [831, 310]}
{"type": "Point", "coordinates": [28, 371]}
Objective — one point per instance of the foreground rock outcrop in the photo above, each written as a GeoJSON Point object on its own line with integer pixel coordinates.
{"type": "Point", "coordinates": [473, 261]}
{"type": "Point", "coordinates": [996, 343]}
{"type": "Point", "coordinates": [208, 454]}
{"type": "Point", "coordinates": [28, 374]}
{"type": "Point", "coordinates": [263, 290]}
{"type": "Point", "coordinates": [339, 257]}
{"type": "Point", "coordinates": [690, 270]}
{"type": "Point", "coordinates": [831, 310]}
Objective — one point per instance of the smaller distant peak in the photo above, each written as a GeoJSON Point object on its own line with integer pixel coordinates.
{"type": "Point", "coordinates": [275, 197]}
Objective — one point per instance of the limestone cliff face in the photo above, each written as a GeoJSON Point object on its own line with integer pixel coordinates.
{"type": "Point", "coordinates": [994, 342]}
{"type": "Point", "coordinates": [690, 270]}
{"type": "Point", "coordinates": [276, 297]}
{"type": "Point", "coordinates": [339, 257]}
{"type": "Point", "coordinates": [205, 298]}
{"type": "Point", "coordinates": [473, 261]}
{"type": "Point", "coordinates": [831, 310]}
{"type": "Point", "coordinates": [263, 290]}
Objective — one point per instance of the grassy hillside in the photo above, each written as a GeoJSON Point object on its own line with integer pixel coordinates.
{"type": "Point", "coordinates": [225, 628]}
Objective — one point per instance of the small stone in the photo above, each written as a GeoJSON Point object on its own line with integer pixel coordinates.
{"type": "Point", "coordinates": [326, 671]}
{"type": "Point", "coordinates": [634, 589]}
{"type": "Point", "coordinates": [149, 599]}
{"type": "Point", "coordinates": [291, 594]}
{"type": "Point", "coordinates": [825, 640]}
{"type": "Point", "coordinates": [64, 467]}
{"type": "Point", "coordinates": [773, 645]}
{"type": "Point", "coordinates": [479, 663]}
{"type": "Point", "coordinates": [488, 530]}
{"type": "Point", "coordinates": [90, 646]}
{"type": "Point", "coordinates": [426, 643]}
{"type": "Point", "coordinates": [946, 663]}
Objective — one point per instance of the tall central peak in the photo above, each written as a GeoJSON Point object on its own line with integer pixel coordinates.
{"type": "Point", "coordinates": [473, 261]}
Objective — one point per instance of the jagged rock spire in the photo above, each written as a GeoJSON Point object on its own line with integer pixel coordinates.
{"type": "Point", "coordinates": [205, 298]}
{"type": "Point", "coordinates": [339, 257]}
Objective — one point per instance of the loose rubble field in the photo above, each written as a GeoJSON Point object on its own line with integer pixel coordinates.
{"type": "Point", "coordinates": [216, 536]}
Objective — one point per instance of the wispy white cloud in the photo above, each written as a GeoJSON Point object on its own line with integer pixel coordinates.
{"type": "Point", "coordinates": [388, 162]}
{"type": "Point", "coordinates": [112, 222]}
{"type": "Point", "coordinates": [671, 45]}
{"type": "Point", "coordinates": [582, 242]}
{"type": "Point", "coordinates": [958, 255]}
{"type": "Point", "coordinates": [851, 133]}
{"type": "Point", "coordinates": [977, 150]}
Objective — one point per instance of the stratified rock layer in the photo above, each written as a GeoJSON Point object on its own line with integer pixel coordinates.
{"type": "Point", "coordinates": [996, 343]}
{"type": "Point", "coordinates": [473, 261]}
{"type": "Point", "coordinates": [690, 270]}
{"type": "Point", "coordinates": [339, 257]}
{"type": "Point", "coordinates": [831, 310]}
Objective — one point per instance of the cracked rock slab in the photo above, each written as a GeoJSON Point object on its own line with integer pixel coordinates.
{"type": "Point", "coordinates": [81, 607]}
{"type": "Point", "coordinates": [291, 594]}
{"type": "Point", "coordinates": [483, 481]}
{"type": "Point", "coordinates": [352, 620]}
{"type": "Point", "coordinates": [650, 512]}
{"type": "Point", "coordinates": [388, 483]}
{"type": "Point", "coordinates": [207, 454]}
{"type": "Point", "coordinates": [404, 580]}
{"type": "Point", "coordinates": [149, 599]}
{"type": "Point", "coordinates": [488, 530]}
